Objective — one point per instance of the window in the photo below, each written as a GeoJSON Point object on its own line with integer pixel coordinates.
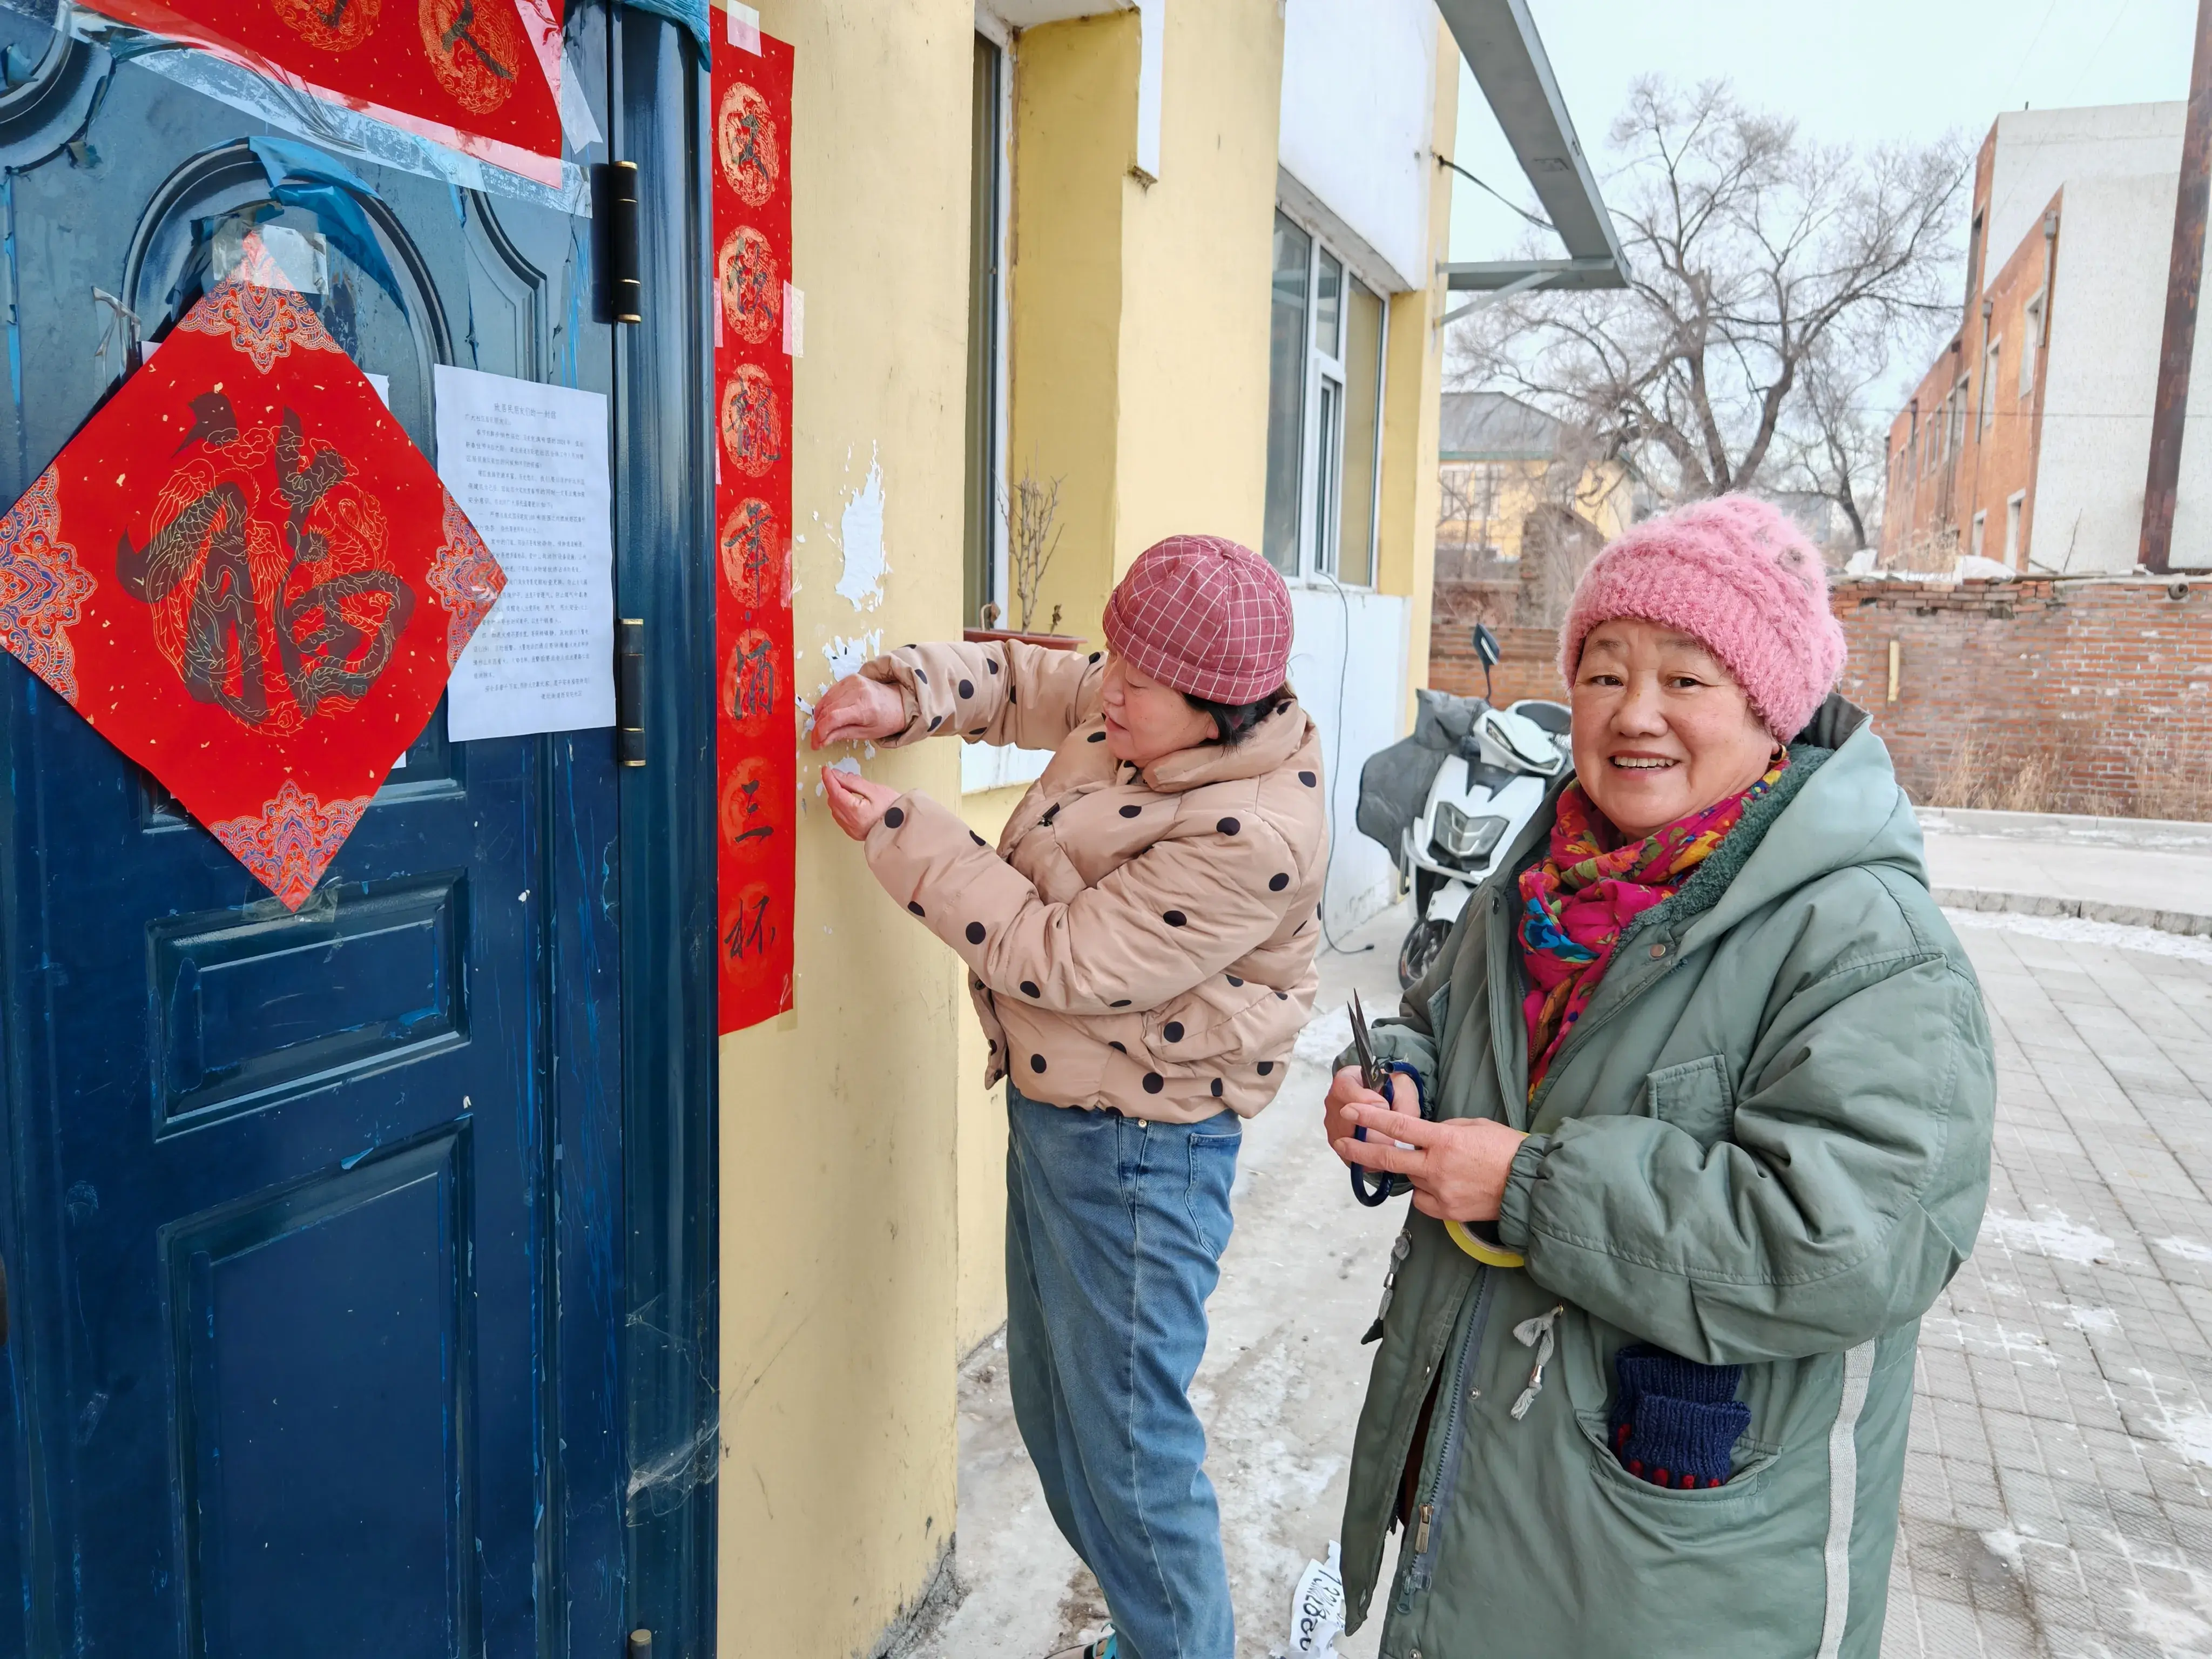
{"type": "Point", "coordinates": [1981, 523]}
{"type": "Point", "coordinates": [1954, 429]}
{"type": "Point", "coordinates": [982, 512]}
{"type": "Point", "coordinates": [1286, 393]}
{"type": "Point", "coordinates": [1365, 321]}
{"type": "Point", "coordinates": [1325, 367]}
{"type": "Point", "coordinates": [1990, 385]}
{"type": "Point", "coordinates": [2015, 505]}
{"type": "Point", "coordinates": [2030, 338]}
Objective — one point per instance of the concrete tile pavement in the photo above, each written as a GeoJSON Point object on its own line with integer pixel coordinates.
{"type": "Point", "coordinates": [2058, 1500]}
{"type": "Point", "coordinates": [2166, 866]}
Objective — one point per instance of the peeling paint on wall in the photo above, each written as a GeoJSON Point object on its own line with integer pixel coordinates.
{"type": "Point", "coordinates": [846, 655]}
{"type": "Point", "coordinates": [860, 535]}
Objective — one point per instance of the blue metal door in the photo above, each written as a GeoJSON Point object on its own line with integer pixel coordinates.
{"type": "Point", "coordinates": [313, 1223]}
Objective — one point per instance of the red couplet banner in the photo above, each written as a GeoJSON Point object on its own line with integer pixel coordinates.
{"type": "Point", "coordinates": [481, 75]}
{"type": "Point", "coordinates": [756, 729]}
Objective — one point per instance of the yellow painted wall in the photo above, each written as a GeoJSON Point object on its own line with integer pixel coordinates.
{"type": "Point", "coordinates": [1605, 494]}
{"type": "Point", "coordinates": [1075, 139]}
{"type": "Point", "coordinates": [839, 1275]}
{"type": "Point", "coordinates": [1197, 258]}
{"type": "Point", "coordinates": [1138, 333]}
{"type": "Point", "coordinates": [1412, 399]}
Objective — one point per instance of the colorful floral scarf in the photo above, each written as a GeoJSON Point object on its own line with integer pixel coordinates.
{"type": "Point", "coordinates": [1578, 902]}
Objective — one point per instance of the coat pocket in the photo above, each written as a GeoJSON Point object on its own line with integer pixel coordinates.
{"type": "Point", "coordinates": [1698, 1098]}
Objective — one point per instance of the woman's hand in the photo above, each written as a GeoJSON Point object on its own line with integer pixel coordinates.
{"type": "Point", "coordinates": [1345, 1090]}
{"type": "Point", "coordinates": [1457, 1167]}
{"type": "Point", "coordinates": [855, 802]}
{"type": "Point", "coordinates": [857, 708]}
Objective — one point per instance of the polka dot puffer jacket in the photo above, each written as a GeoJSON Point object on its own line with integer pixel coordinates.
{"type": "Point", "coordinates": [1141, 939]}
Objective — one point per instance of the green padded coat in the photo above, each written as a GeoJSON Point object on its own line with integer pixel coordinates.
{"type": "Point", "coordinates": [1765, 1144]}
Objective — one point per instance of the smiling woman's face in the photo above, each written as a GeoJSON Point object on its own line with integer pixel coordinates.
{"type": "Point", "coordinates": [1662, 730]}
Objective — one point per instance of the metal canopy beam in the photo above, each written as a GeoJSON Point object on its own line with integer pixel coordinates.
{"type": "Point", "coordinates": [1485, 275]}
{"type": "Point", "coordinates": [1499, 39]}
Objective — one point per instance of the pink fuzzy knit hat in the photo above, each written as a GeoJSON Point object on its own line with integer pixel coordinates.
{"type": "Point", "coordinates": [1737, 574]}
{"type": "Point", "coordinates": [1205, 615]}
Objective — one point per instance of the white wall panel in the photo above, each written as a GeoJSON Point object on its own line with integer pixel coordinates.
{"type": "Point", "coordinates": [1358, 702]}
{"type": "Point", "coordinates": [1359, 94]}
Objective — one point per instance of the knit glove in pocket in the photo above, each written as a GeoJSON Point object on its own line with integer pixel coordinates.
{"type": "Point", "coordinates": [1675, 1422]}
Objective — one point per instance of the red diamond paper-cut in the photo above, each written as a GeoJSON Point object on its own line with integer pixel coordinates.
{"type": "Point", "coordinates": [248, 578]}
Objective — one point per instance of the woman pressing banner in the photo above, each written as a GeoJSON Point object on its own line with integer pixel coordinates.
{"type": "Point", "coordinates": [1139, 947]}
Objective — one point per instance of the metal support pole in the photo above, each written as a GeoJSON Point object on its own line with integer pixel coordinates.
{"type": "Point", "coordinates": [2184, 277]}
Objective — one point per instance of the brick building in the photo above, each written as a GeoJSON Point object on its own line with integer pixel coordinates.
{"type": "Point", "coordinates": [2027, 440]}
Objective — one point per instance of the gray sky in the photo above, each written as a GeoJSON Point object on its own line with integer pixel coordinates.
{"type": "Point", "coordinates": [1862, 72]}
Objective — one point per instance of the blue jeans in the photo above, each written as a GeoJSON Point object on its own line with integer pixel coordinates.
{"type": "Point", "coordinates": [1115, 1230]}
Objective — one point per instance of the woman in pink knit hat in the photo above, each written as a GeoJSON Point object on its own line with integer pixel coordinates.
{"type": "Point", "coordinates": [1697, 1104]}
{"type": "Point", "coordinates": [1139, 949]}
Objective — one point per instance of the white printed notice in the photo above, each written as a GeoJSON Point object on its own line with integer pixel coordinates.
{"type": "Point", "coordinates": [528, 464]}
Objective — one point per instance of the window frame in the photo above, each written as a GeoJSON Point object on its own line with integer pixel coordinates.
{"type": "Point", "coordinates": [1324, 397]}
{"type": "Point", "coordinates": [2030, 346]}
{"type": "Point", "coordinates": [996, 587]}
{"type": "Point", "coordinates": [1992, 358]}
{"type": "Point", "coordinates": [2015, 516]}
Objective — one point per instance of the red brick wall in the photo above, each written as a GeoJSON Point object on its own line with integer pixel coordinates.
{"type": "Point", "coordinates": [2085, 695]}
{"type": "Point", "coordinates": [2091, 696]}
{"type": "Point", "coordinates": [1528, 669]}
{"type": "Point", "coordinates": [1929, 509]}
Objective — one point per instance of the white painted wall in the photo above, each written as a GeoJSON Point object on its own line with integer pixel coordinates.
{"type": "Point", "coordinates": [2039, 150]}
{"type": "Point", "coordinates": [1359, 96]}
{"type": "Point", "coordinates": [2117, 167]}
{"type": "Point", "coordinates": [2108, 310]}
{"type": "Point", "coordinates": [1359, 705]}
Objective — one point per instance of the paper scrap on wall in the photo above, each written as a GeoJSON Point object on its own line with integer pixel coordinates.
{"type": "Point", "coordinates": [757, 759]}
{"type": "Point", "coordinates": [248, 580]}
{"type": "Point", "coordinates": [528, 463]}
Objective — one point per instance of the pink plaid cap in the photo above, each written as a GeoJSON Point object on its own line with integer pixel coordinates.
{"type": "Point", "coordinates": [1204, 615]}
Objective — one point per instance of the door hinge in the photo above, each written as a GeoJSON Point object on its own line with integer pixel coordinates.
{"type": "Point", "coordinates": [640, 1644]}
{"type": "Point", "coordinates": [629, 690]}
{"type": "Point", "coordinates": [615, 185]}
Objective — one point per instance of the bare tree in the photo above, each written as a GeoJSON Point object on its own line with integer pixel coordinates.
{"type": "Point", "coordinates": [1749, 247]}
{"type": "Point", "coordinates": [1837, 440]}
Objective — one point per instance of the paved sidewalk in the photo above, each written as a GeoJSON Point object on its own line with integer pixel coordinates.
{"type": "Point", "coordinates": [2058, 1496]}
{"type": "Point", "coordinates": [2103, 860]}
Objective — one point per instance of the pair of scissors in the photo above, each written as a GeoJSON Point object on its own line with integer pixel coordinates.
{"type": "Point", "coordinates": [1373, 1074]}
{"type": "Point", "coordinates": [1376, 1074]}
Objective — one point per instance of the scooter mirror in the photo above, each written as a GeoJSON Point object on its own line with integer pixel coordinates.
{"type": "Point", "coordinates": [1486, 645]}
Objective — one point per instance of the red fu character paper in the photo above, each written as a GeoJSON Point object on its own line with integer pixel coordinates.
{"type": "Point", "coordinates": [248, 580]}
{"type": "Point", "coordinates": [756, 737]}
{"type": "Point", "coordinates": [481, 75]}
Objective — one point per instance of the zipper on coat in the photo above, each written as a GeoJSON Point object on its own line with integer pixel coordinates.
{"type": "Point", "coordinates": [1440, 1490]}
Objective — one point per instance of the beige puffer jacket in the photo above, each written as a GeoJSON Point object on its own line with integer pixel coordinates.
{"type": "Point", "coordinates": [1142, 939]}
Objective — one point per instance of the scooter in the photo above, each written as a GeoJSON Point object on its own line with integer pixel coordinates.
{"type": "Point", "coordinates": [1491, 781]}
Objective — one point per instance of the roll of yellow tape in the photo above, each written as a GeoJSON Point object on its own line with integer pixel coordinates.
{"type": "Point", "coordinates": [1491, 1255]}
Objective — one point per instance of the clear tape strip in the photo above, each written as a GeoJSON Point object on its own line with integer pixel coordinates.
{"type": "Point", "coordinates": [336, 128]}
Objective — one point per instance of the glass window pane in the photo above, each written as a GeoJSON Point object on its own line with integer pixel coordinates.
{"type": "Point", "coordinates": [1363, 416]}
{"type": "Point", "coordinates": [1328, 301]}
{"type": "Point", "coordinates": [1287, 388]}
